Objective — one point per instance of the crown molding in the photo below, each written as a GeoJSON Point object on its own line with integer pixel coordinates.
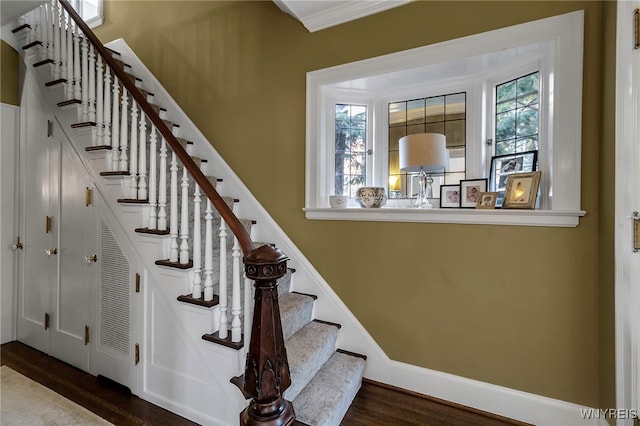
{"type": "Point", "coordinates": [318, 15]}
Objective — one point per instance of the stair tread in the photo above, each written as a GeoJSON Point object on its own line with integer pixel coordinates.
{"type": "Point", "coordinates": [320, 403]}
{"type": "Point", "coordinates": [296, 311]}
{"type": "Point", "coordinates": [308, 350]}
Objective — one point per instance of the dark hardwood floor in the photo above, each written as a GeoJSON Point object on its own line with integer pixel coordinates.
{"type": "Point", "coordinates": [375, 404]}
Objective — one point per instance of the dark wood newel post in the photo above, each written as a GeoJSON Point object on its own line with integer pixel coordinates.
{"type": "Point", "coordinates": [266, 374]}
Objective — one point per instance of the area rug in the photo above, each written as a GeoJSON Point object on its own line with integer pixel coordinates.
{"type": "Point", "coordinates": [25, 402]}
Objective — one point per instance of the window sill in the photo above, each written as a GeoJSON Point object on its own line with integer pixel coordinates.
{"type": "Point", "coordinates": [552, 218]}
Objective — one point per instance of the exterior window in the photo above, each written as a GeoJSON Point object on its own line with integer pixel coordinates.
{"type": "Point", "coordinates": [517, 114]}
{"type": "Point", "coordinates": [89, 10]}
{"type": "Point", "coordinates": [350, 149]}
{"type": "Point", "coordinates": [445, 114]}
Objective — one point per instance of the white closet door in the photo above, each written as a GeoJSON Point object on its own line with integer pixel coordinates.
{"type": "Point", "coordinates": [72, 323]}
{"type": "Point", "coordinates": [38, 195]}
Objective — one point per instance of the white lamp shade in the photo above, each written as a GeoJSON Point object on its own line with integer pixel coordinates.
{"type": "Point", "coordinates": [423, 151]}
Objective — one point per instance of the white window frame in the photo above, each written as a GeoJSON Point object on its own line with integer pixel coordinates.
{"type": "Point", "coordinates": [352, 99]}
{"type": "Point", "coordinates": [560, 137]}
{"type": "Point", "coordinates": [92, 22]}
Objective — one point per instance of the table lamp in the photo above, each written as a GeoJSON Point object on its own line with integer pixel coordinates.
{"type": "Point", "coordinates": [425, 153]}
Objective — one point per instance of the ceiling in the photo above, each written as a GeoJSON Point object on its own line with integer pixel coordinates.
{"type": "Point", "coordinates": [317, 15]}
{"type": "Point", "coordinates": [10, 10]}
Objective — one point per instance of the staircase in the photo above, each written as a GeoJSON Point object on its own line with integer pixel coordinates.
{"type": "Point", "coordinates": [161, 181]}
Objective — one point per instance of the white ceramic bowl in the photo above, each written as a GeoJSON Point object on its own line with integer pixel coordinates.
{"type": "Point", "coordinates": [371, 196]}
{"type": "Point", "coordinates": [338, 201]}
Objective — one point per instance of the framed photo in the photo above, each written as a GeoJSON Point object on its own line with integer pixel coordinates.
{"type": "Point", "coordinates": [449, 196]}
{"type": "Point", "coordinates": [470, 190]}
{"type": "Point", "coordinates": [487, 200]}
{"type": "Point", "coordinates": [521, 191]}
{"type": "Point", "coordinates": [504, 165]}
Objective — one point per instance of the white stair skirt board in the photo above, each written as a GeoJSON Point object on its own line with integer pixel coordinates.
{"type": "Point", "coordinates": [353, 336]}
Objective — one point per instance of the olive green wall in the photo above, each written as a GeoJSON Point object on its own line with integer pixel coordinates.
{"type": "Point", "coordinates": [514, 306]}
{"type": "Point", "coordinates": [8, 74]}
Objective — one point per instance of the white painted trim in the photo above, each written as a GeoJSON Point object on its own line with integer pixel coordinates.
{"type": "Point", "coordinates": [563, 37]}
{"type": "Point", "coordinates": [338, 13]}
{"type": "Point", "coordinates": [627, 172]}
{"type": "Point", "coordinates": [562, 218]}
{"type": "Point", "coordinates": [9, 172]}
{"type": "Point", "coordinates": [515, 404]}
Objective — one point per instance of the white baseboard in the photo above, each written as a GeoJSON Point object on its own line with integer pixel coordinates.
{"type": "Point", "coordinates": [515, 404]}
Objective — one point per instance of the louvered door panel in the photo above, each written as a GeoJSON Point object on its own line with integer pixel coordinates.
{"type": "Point", "coordinates": [114, 295]}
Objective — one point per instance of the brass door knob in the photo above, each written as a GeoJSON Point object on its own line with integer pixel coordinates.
{"type": "Point", "coordinates": [51, 251]}
{"type": "Point", "coordinates": [92, 258]}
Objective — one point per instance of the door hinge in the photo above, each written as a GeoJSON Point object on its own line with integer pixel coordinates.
{"type": "Point", "coordinates": [18, 245]}
{"type": "Point", "coordinates": [49, 128]}
{"type": "Point", "coordinates": [636, 231]}
{"type": "Point", "coordinates": [86, 335]}
{"type": "Point", "coordinates": [636, 29]}
{"type": "Point", "coordinates": [46, 321]}
{"type": "Point", "coordinates": [88, 196]}
{"type": "Point", "coordinates": [47, 224]}
{"type": "Point", "coordinates": [137, 354]}
{"type": "Point", "coordinates": [137, 283]}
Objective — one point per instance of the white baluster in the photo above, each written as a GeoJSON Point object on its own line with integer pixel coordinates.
{"type": "Point", "coordinates": [142, 158]}
{"type": "Point", "coordinates": [222, 297]}
{"type": "Point", "coordinates": [184, 218]}
{"type": "Point", "coordinates": [173, 214]}
{"type": "Point", "coordinates": [32, 19]}
{"type": "Point", "coordinates": [92, 85]}
{"type": "Point", "coordinates": [44, 54]}
{"type": "Point", "coordinates": [69, 55]}
{"type": "Point", "coordinates": [106, 134]}
{"type": "Point", "coordinates": [196, 289]}
{"type": "Point", "coordinates": [38, 33]}
{"type": "Point", "coordinates": [208, 252]}
{"type": "Point", "coordinates": [162, 187]}
{"type": "Point", "coordinates": [63, 43]}
{"type": "Point", "coordinates": [100, 103]}
{"type": "Point", "coordinates": [65, 61]}
{"type": "Point", "coordinates": [133, 164]}
{"type": "Point", "coordinates": [49, 27]}
{"type": "Point", "coordinates": [124, 134]}
{"type": "Point", "coordinates": [40, 36]}
{"type": "Point", "coordinates": [115, 126]}
{"type": "Point", "coordinates": [56, 40]}
{"type": "Point", "coordinates": [77, 73]}
{"type": "Point", "coordinates": [236, 324]}
{"type": "Point", "coordinates": [153, 187]}
{"type": "Point", "coordinates": [84, 79]}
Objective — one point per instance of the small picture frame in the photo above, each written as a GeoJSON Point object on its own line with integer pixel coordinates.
{"type": "Point", "coordinates": [449, 196]}
{"type": "Point", "coordinates": [504, 165]}
{"type": "Point", "coordinates": [470, 190]}
{"type": "Point", "coordinates": [521, 190]}
{"type": "Point", "coordinates": [487, 200]}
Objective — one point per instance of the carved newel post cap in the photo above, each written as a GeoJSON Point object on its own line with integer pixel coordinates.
{"type": "Point", "coordinates": [265, 263]}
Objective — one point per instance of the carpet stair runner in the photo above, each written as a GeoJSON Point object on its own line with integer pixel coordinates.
{"type": "Point", "coordinates": [324, 379]}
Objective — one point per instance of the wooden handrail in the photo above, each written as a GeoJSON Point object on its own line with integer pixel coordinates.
{"type": "Point", "coordinates": [207, 188]}
{"type": "Point", "coordinates": [267, 373]}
